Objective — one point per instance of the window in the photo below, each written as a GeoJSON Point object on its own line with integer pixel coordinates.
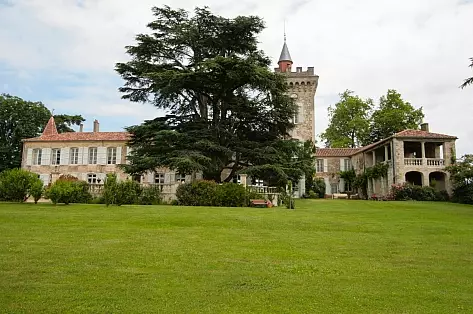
{"type": "Point", "coordinates": [74, 156]}
{"type": "Point", "coordinates": [37, 153]}
{"type": "Point", "coordinates": [92, 178]}
{"type": "Point", "coordinates": [334, 187]}
{"type": "Point", "coordinates": [347, 164]}
{"type": "Point", "coordinates": [56, 156]}
{"type": "Point", "coordinates": [159, 178]}
{"type": "Point", "coordinates": [348, 187]}
{"type": "Point", "coordinates": [111, 155]}
{"type": "Point", "coordinates": [236, 179]}
{"type": "Point", "coordinates": [180, 178]}
{"type": "Point", "coordinates": [296, 115]}
{"type": "Point", "coordinates": [258, 182]}
{"type": "Point", "coordinates": [320, 165]}
{"type": "Point", "coordinates": [93, 155]}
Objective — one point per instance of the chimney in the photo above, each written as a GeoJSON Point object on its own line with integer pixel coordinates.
{"type": "Point", "coordinates": [96, 125]}
{"type": "Point", "coordinates": [424, 127]}
{"type": "Point", "coordinates": [81, 127]}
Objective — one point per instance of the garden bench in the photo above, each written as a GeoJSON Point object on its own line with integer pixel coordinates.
{"type": "Point", "coordinates": [259, 203]}
{"type": "Point", "coordinates": [339, 195]}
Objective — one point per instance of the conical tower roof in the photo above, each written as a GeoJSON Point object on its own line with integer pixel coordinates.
{"type": "Point", "coordinates": [50, 128]}
{"type": "Point", "coordinates": [285, 55]}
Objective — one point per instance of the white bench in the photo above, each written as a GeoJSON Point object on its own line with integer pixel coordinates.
{"type": "Point", "coordinates": [339, 195]}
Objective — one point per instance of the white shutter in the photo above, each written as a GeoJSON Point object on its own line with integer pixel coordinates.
{"type": "Point", "coordinates": [83, 176]}
{"type": "Point", "coordinates": [79, 158]}
{"type": "Point", "coordinates": [46, 157]}
{"type": "Point", "coordinates": [102, 177]}
{"type": "Point", "coordinates": [64, 156]}
{"type": "Point", "coordinates": [119, 155]}
{"type": "Point", "coordinates": [102, 155]}
{"type": "Point", "coordinates": [328, 189]}
{"type": "Point", "coordinates": [341, 185]}
{"type": "Point", "coordinates": [44, 178]}
{"type": "Point", "coordinates": [29, 156]}
{"type": "Point", "coordinates": [167, 178]}
{"type": "Point", "coordinates": [85, 155]}
{"type": "Point", "coordinates": [342, 164]}
{"type": "Point", "coordinates": [128, 152]}
{"type": "Point", "coordinates": [325, 165]}
{"type": "Point", "coordinates": [151, 177]}
{"type": "Point", "coordinates": [188, 178]}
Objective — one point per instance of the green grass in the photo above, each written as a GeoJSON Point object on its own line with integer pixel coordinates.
{"type": "Point", "coordinates": [324, 257]}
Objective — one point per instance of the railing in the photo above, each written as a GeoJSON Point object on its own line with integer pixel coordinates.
{"type": "Point", "coordinates": [413, 161]}
{"type": "Point", "coordinates": [435, 162]}
{"type": "Point", "coordinates": [263, 189]}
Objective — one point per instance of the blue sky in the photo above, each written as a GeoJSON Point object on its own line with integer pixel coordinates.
{"type": "Point", "coordinates": [63, 53]}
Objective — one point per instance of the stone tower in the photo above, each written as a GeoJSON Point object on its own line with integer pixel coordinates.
{"type": "Point", "coordinates": [302, 87]}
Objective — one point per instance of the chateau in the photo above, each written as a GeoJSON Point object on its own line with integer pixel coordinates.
{"type": "Point", "coordinates": [415, 156]}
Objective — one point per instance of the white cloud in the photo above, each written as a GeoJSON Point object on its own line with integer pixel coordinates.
{"type": "Point", "coordinates": [421, 48]}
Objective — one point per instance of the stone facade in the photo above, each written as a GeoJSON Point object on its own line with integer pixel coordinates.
{"type": "Point", "coordinates": [415, 156]}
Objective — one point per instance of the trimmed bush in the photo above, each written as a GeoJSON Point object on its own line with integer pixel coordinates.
{"type": "Point", "coordinates": [198, 193]}
{"type": "Point", "coordinates": [120, 193]}
{"type": "Point", "coordinates": [67, 191]}
{"type": "Point", "coordinates": [37, 190]}
{"type": "Point", "coordinates": [231, 195]}
{"type": "Point", "coordinates": [15, 184]}
{"type": "Point", "coordinates": [150, 195]}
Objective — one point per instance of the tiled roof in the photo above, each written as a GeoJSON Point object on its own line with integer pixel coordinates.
{"type": "Point", "coordinates": [422, 134]}
{"type": "Point", "coordinates": [82, 136]}
{"type": "Point", "coordinates": [50, 128]}
{"type": "Point", "coordinates": [335, 152]}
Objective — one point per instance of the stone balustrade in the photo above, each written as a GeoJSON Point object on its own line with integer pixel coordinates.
{"type": "Point", "coordinates": [413, 161]}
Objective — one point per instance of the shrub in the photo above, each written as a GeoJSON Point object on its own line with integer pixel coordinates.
{"type": "Point", "coordinates": [316, 185]}
{"type": "Point", "coordinates": [463, 194]}
{"type": "Point", "coordinates": [312, 194]}
{"type": "Point", "coordinates": [120, 193]}
{"type": "Point", "coordinates": [199, 193]}
{"type": "Point", "coordinates": [15, 184]}
{"type": "Point", "coordinates": [150, 195]}
{"type": "Point", "coordinates": [405, 192]}
{"type": "Point", "coordinates": [37, 190]}
{"type": "Point", "coordinates": [66, 191]}
{"type": "Point", "coordinates": [231, 195]}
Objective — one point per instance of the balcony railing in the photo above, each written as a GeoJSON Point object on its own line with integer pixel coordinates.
{"type": "Point", "coordinates": [429, 162]}
{"type": "Point", "coordinates": [435, 162]}
{"type": "Point", "coordinates": [413, 161]}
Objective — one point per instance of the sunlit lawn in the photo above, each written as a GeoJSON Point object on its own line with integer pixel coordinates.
{"type": "Point", "coordinates": [327, 256]}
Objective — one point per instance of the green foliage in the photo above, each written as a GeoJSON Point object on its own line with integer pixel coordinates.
{"type": "Point", "coordinates": [315, 187]}
{"type": "Point", "coordinates": [469, 80]}
{"type": "Point", "coordinates": [349, 121]}
{"type": "Point", "coordinates": [68, 191]}
{"type": "Point", "coordinates": [379, 170]}
{"type": "Point", "coordinates": [231, 195]}
{"type": "Point", "coordinates": [461, 175]}
{"type": "Point", "coordinates": [406, 192]}
{"type": "Point", "coordinates": [150, 195]}
{"type": "Point", "coordinates": [198, 193]}
{"type": "Point", "coordinates": [349, 176]}
{"type": "Point", "coordinates": [37, 190]}
{"type": "Point", "coordinates": [16, 184]}
{"type": "Point", "coordinates": [393, 115]}
{"type": "Point", "coordinates": [287, 196]}
{"type": "Point", "coordinates": [65, 122]}
{"type": "Point", "coordinates": [121, 193]}
{"type": "Point", "coordinates": [20, 119]}
{"type": "Point", "coordinates": [226, 107]}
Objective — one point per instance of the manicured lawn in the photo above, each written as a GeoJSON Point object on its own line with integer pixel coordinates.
{"type": "Point", "coordinates": [324, 257]}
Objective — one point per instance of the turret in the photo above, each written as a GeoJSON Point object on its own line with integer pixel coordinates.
{"type": "Point", "coordinates": [285, 60]}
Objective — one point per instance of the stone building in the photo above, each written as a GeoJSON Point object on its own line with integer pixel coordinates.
{"type": "Point", "coordinates": [88, 156]}
{"type": "Point", "coordinates": [415, 156]}
{"type": "Point", "coordinates": [302, 86]}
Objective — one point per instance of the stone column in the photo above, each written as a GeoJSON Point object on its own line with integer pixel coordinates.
{"type": "Point", "coordinates": [424, 160]}
{"type": "Point", "coordinates": [425, 176]}
{"type": "Point", "coordinates": [243, 179]}
{"type": "Point", "coordinates": [386, 153]}
{"type": "Point", "coordinates": [374, 158]}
